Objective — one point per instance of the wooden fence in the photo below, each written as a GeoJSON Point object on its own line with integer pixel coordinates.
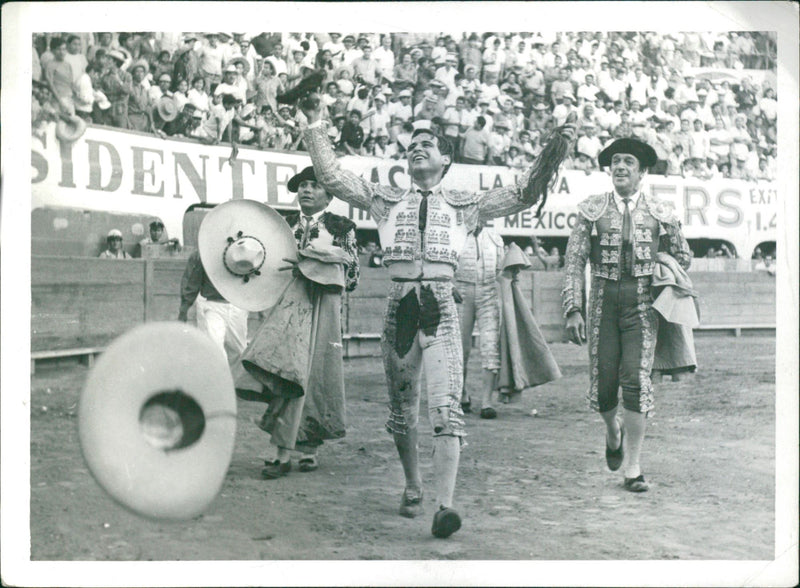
{"type": "Point", "coordinates": [80, 304]}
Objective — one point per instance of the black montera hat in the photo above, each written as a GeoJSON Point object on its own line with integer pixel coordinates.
{"type": "Point", "coordinates": [639, 149]}
{"type": "Point", "coordinates": [306, 174]}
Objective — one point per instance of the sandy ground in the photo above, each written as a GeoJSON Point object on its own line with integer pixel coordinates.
{"type": "Point", "coordinates": [529, 487]}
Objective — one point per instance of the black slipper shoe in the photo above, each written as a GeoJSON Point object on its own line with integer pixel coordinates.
{"type": "Point", "coordinates": [466, 405]}
{"type": "Point", "coordinates": [614, 457]}
{"type": "Point", "coordinates": [488, 413]}
{"type": "Point", "coordinates": [411, 506]}
{"type": "Point", "coordinates": [636, 484]}
{"type": "Point", "coordinates": [308, 464]}
{"type": "Point", "coordinates": [276, 469]}
{"type": "Point", "coordinates": [445, 522]}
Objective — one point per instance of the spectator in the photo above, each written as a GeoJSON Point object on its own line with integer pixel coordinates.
{"type": "Point", "coordinates": [499, 142]}
{"type": "Point", "coordinates": [197, 95]}
{"type": "Point", "coordinates": [351, 52]}
{"type": "Point", "coordinates": [739, 170]}
{"type": "Point", "coordinates": [335, 47]}
{"type": "Point", "coordinates": [405, 73]}
{"type": "Point", "coordinates": [352, 134]}
{"type": "Point", "coordinates": [366, 68]}
{"type": "Point", "coordinates": [379, 120]}
{"type": "Point", "coordinates": [186, 61]}
{"type": "Point", "coordinates": [475, 143]}
{"type": "Point", "coordinates": [589, 144]}
{"type": "Point", "coordinates": [385, 58]}
{"type": "Point", "coordinates": [515, 158]}
{"type": "Point", "coordinates": [139, 104]}
{"type": "Point", "coordinates": [75, 58]}
{"type": "Point", "coordinates": [563, 110]}
{"type": "Point", "coordinates": [185, 123]}
{"type": "Point", "coordinates": [268, 85]}
{"type": "Point", "coordinates": [114, 248]}
{"type": "Point", "coordinates": [764, 172]}
{"type": "Point", "coordinates": [58, 76]}
{"type": "Point", "coordinates": [218, 121]}
{"type": "Point", "coordinates": [211, 57]}
{"type": "Point", "coordinates": [230, 84]}
{"type": "Point", "coordinates": [84, 97]}
{"type": "Point", "coordinates": [116, 85]}
{"type": "Point", "coordinates": [296, 66]}
{"type": "Point", "coordinates": [162, 88]}
{"type": "Point", "coordinates": [699, 141]}
{"type": "Point", "coordinates": [104, 42]}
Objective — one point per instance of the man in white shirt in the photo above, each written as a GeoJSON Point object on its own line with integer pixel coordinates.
{"type": "Point", "coordinates": [588, 90]}
{"type": "Point", "coordinates": [277, 60]}
{"type": "Point", "coordinates": [385, 57]}
{"type": "Point", "coordinates": [351, 52]}
{"type": "Point", "coordinates": [589, 143]}
{"type": "Point", "coordinates": [336, 47]}
{"type": "Point", "coordinates": [229, 84]}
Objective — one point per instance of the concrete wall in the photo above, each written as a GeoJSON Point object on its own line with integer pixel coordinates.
{"type": "Point", "coordinates": [80, 302]}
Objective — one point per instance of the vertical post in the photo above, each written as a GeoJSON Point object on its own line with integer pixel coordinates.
{"type": "Point", "coordinates": [148, 289]}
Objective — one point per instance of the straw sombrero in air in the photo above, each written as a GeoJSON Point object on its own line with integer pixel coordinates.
{"type": "Point", "coordinates": [242, 245]}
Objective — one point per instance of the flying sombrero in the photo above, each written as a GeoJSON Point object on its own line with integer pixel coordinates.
{"type": "Point", "coordinates": [157, 420]}
{"type": "Point", "coordinates": [242, 245]}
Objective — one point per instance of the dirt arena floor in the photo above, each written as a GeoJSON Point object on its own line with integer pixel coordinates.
{"type": "Point", "coordinates": [529, 487]}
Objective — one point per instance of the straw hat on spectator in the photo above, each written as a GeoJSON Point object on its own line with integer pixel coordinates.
{"type": "Point", "coordinates": [225, 36]}
{"type": "Point", "coordinates": [380, 97]}
{"type": "Point", "coordinates": [70, 130]}
{"type": "Point", "coordinates": [404, 94]}
{"type": "Point", "coordinates": [540, 106]}
{"type": "Point", "coordinates": [117, 55]}
{"type": "Point", "coordinates": [243, 61]}
{"type": "Point", "coordinates": [114, 233]}
{"type": "Point", "coordinates": [139, 63]}
{"type": "Point", "coordinates": [230, 68]}
{"type": "Point", "coordinates": [166, 108]}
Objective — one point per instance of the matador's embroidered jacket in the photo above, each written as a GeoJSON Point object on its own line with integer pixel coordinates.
{"type": "Point", "coordinates": [452, 214]}
{"type": "Point", "coordinates": [597, 236]}
{"type": "Point", "coordinates": [336, 230]}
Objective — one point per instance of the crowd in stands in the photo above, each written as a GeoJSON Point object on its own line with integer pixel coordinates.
{"type": "Point", "coordinates": [494, 95]}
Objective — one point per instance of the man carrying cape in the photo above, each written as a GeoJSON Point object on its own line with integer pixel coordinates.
{"type": "Point", "coordinates": [624, 234]}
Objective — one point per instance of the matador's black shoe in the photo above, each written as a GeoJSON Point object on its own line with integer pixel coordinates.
{"type": "Point", "coordinates": [636, 484]}
{"type": "Point", "coordinates": [275, 469]}
{"type": "Point", "coordinates": [446, 521]}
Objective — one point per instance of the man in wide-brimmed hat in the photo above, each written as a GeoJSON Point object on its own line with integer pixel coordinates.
{"type": "Point", "coordinates": [116, 85]}
{"type": "Point", "coordinates": [621, 233]}
{"type": "Point", "coordinates": [422, 231]}
{"type": "Point", "coordinates": [304, 423]}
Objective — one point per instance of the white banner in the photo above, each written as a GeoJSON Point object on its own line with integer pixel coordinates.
{"type": "Point", "coordinates": [125, 171]}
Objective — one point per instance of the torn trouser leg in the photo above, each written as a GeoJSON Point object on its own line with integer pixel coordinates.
{"type": "Point", "coordinates": [436, 346]}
